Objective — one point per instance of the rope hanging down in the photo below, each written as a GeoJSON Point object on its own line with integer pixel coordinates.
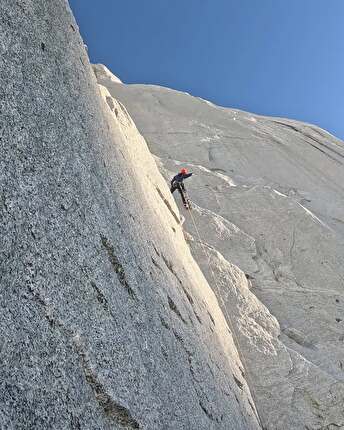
{"type": "Point", "coordinates": [236, 340]}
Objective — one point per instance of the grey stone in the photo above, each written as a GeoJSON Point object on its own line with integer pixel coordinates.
{"type": "Point", "coordinates": [104, 314]}
{"type": "Point", "coordinates": [268, 204]}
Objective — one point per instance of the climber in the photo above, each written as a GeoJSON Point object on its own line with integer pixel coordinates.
{"type": "Point", "coordinates": [177, 184]}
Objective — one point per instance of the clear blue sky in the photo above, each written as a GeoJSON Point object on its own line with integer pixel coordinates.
{"type": "Point", "coordinates": [272, 57]}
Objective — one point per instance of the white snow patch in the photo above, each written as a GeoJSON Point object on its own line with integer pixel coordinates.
{"type": "Point", "coordinates": [280, 194]}
{"type": "Point", "coordinates": [225, 178]}
{"type": "Point", "coordinates": [314, 216]}
{"type": "Point", "coordinates": [305, 209]}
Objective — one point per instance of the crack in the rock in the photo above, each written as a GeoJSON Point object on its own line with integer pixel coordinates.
{"type": "Point", "coordinates": [117, 266]}
{"type": "Point", "coordinates": [169, 265]}
{"type": "Point", "coordinates": [211, 317]}
{"type": "Point", "coordinates": [205, 410]}
{"type": "Point", "coordinates": [156, 264]}
{"type": "Point", "coordinates": [239, 383]}
{"type": "Point", "coordinates": [169, 207]}
{"type": "Point", "coordinates": [100, 296]}
{"type": "Point", "coordinates": [112, 409]}
{"type": "Point", "coordinates": [307, 135]}
{"type": "Point", "coordinates": [174, 308]}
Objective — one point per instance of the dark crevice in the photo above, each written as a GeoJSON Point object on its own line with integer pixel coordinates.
{"type": "Point", "coordinates": [53, 322]}
{"type": "Point", "coordinates": [305, 135]}
{"type": "Point", "coordinates": [156, 251]}
{"type": "Point", "coordinates": [193, 373]}
{"type": "Point", "coordinates": [168, 205]}
{"type": "Point", "coordinates": [190, 299]}
{"type": "Point", "coordinates": [205, 410]}
{"type": "Point", "coordinates": [242, 372]}
{"type": "Point", "coordinates": [252, 407]}
{"type": "Point", "coordinates": [198, 318]}
{"type": "Point", "coordinates": [178, 337]}
{"type": "Point", "coordinates": [325, 146]}
{"type": "Point", "coordinates": [169, 265]}
{"type": "Point", "coordinates": [188, 353]}
{"type": "Point", "coordinates": [164, 323]}
{"type": "Point", "coordinates": [100, 296]}
{"type": "Point", "coordinates": [239, 383]}
{"type": "Point", "coordinates": [174, 308]}
{"type": "Point", "coordinates": [287, 126]}
{"type": "Point", "coordinates": [211, 317]}
{"type": "Point", "coordinates": [156, 263]}
{"type": "Point", "coordinates": [117, 266]}
{"type": "Point", "coordinates": [122, 154]}
{"type": "Point", "coordinates": [325, 153]}
{"type": "Point", "coordinates": [298, 338]}
{"type": "Point", "coordinates": [112, 409]}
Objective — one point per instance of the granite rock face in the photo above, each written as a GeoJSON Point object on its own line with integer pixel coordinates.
{"type": "Point", "coordinates": [268, 206]}
{"type": "Point", "coordinates": [106, 321]}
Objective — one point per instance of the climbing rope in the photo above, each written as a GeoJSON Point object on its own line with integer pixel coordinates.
{"type": "Point", "coordinates": [236, 340]}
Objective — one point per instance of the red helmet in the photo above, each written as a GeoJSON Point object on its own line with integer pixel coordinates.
{"type": "Point", "coordinates": [183, 171]}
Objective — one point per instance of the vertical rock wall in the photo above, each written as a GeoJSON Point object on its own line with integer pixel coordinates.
{"type": "Point", "coordinates": [267, 197]}
{"type": "Point", "coordinates": [105, 319]}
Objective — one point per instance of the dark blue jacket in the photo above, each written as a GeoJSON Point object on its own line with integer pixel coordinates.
{"type": "Point", "coordinates": [180, 177]}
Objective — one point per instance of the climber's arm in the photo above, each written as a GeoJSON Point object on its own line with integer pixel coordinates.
{"type": "Point", "coordinates": [187, 175]}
